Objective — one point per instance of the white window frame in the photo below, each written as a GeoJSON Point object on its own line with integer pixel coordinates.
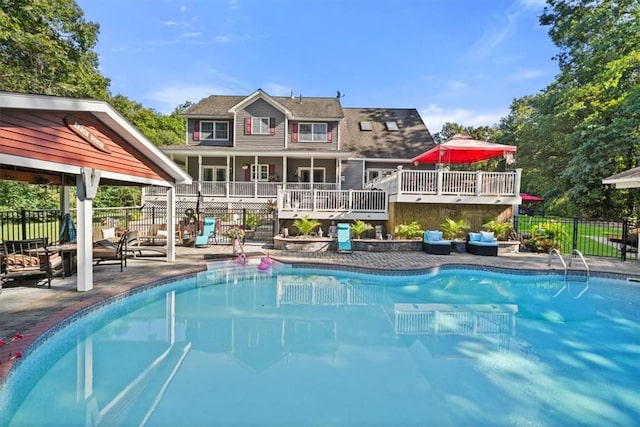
{"type": "Point", "coordinates": [214, 131]}
{"type": "Point", "coordinates": [379, 171]}
{"type": "Point", "coordinates": [258, 125]}
{"type": "Point", "coordinates": [313, 136]}
{"type": "Point", "coordinates": [305, 169]}
{"type": "Point", "coordinates": [213, 173]}
{"type": "Point", "coordinates": [263, 172]}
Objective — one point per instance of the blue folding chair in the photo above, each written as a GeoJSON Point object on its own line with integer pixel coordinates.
{"type": "Point", "coordinates": [344, 238]}
{"type": "Point", "coordinates": [208, 232]}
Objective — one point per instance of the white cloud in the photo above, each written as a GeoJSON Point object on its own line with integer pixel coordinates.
{"type": "Point", "coordinates": [166, 99]}
{"type": "Point", "coordinates": [190, 35]}
{"type": "Point", "coordinates": [435, 117]}
{"type": "Point", "coordinates": [275, 89]}
{"type": "Point", "coordinates": [493, 37]}
{"type": "Point", "coordinates": [457, 85]}
{"type": "Point", "coordinates": [524, 74]}
{"type": "Point", "coordinates": [171, 23]}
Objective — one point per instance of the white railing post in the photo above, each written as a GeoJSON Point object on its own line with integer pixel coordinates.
{"type": "Point", "coordinates": [314, 199]}
{"type": "Point", "coordinates": [399, 178]}
{"type": "Point", "coordinates": [516, 184]}
{"type": "Point", "coordinates": [478, 183]}
{"type": "Point", "coordinates": [350, 200]}
{"type": "Point", "coordinates": [439, 181]}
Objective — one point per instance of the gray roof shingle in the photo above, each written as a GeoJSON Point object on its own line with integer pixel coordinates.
{"type": "Point", "coordinates": [300, 107]}
{"type": "Point", "coordinates": [411, 138]}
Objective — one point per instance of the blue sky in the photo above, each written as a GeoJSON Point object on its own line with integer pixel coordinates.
{"type": "Point", "coordinates": [453, 60]}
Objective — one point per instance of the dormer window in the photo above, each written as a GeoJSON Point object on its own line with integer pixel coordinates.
{"type": "Point", "coordinates": [260, 125]}
{"type": "Point", "coordinates": [312, 132]}
{"type": "Point", "coordinates": [392, 126]}
{"type": "Point", "coordinates": [217, 131]}
{"type": "Point", "coordinates": [365, 125]}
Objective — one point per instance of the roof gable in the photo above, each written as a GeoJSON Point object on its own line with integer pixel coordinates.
{"type": "Point", "coordinates": [295, 108]}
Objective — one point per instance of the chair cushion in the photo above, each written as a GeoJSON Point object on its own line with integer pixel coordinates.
{"type": "Point", "coordinates": [162, 233]}
{"type": "Point", "coordinates": [432, 236]}
{"type": "Point", "coordinates": [486, 236]}
{"type": "Point", "coordinates": [474, 237]}
{"type": "Point", "coordinates": [108, 233]}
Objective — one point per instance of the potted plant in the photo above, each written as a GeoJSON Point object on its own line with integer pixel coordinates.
{"type": "Point", "coordinates": [306, 225]}
{"type": "Point", "coordinates": [454, 231]}
{"type": "Point", "coordinates": [360, 227]}
{"type": "Point", "coordinates": [410, 231]}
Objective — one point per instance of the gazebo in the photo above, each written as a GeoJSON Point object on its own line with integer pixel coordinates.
{"type": "Point", "coordinates": [81, 142]}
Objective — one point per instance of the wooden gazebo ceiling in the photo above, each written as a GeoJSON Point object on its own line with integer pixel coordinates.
{"type": "Point", "coordinates": [41, 177]}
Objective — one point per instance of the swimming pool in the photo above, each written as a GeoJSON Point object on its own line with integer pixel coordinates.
{"type": "Point", "coordinates": [295, 346]}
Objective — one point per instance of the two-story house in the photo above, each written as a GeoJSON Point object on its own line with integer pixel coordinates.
{"type": "Point", "coordinates": [241, 149]}
{"type": "Point", "coordinates": [312, 156]}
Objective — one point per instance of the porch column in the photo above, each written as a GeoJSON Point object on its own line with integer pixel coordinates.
{"type": "Point", "coordinates": [285, 168]}
{"type": "Point", "coordinates": [87, 185]}
{"type": "Point", "coordinates": [171, 224]}
{"type": "Point", "coordinates": [255, 178]}
{"type": "Point", "coordinates": [311, 172]}
{"type": "Point", "coordinates": [227, 184]}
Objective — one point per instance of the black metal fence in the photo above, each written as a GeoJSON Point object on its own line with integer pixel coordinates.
{"type": "Point", "coordinates": [601, 238]}
{"type": "Point", "coordinates": [259, 223]}
{"type": "Point", "coordinates": [592, 237]}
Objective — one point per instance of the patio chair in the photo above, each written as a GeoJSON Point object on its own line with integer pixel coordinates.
{"type": "Point", "coordinates": [208, 233]}
{"type": "Point", "coordinates": [134, 248]}
{"type": "Point", "coordinates": [344, 238]}
{"type": "Point", "coordinates": [22, 259]}
{"type": "Point", "coordinates": [432, 243]}
{"type": "Point", "coordinates": [105, 251]}
{"type": "Point", "coordinates": [482, 243]}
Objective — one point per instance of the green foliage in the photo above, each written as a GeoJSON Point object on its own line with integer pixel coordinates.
{"type": "Point", "coordinates": [452, 229]}
{"type": "Point", "coordinates": [252, 220]}
{"type": "Point", "coordinates": [359, 227]}
{"type": "Point", "coordinates": [46, 48]}
{"type": "Point", "coordinates": [547, 235]}
{"type": "Point", "coordinates": [108, 196]}
{"type": "Point", "coordinates": [408, 231]}
{"type": "Point", "coordinates": [501, 230]}
{"type": "Point", "coordinates": [158, 128]}
{"type": "Point", "coordinates": [306, 225]}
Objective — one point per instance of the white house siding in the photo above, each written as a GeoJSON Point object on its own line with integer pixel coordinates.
{"type": "Point", "coordinates": [260, 108]}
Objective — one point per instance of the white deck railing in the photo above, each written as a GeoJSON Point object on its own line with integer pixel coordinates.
{"type": "Point", "coordinates": [450, 183]}
{"type": "Point", "coordinates": [239, 188]}
{"type": "Point", "coordinates": [333, 201]}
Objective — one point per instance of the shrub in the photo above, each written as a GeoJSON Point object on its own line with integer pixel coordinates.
{"type": "Point", "coordinates": [252, 220]}
{"type": "Point", "coordinates": [547, 235]}
{"type": "Point", "coordinates": [360, 227]}
{"type": "Point", "coordinates": [306, 225]}
{"type": "Point", "coordinates": [454, 229]}
{"type": "Point", "coordinates": [501, 230]}
{"type": "Point", "coordinates": [409, 231]}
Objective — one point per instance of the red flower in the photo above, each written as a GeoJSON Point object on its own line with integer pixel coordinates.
{"type": "Point", "coordinates": [19, 336]}
{"type": "Point", "coordinates": [16, 355]}
{"type": "Point", "coordinates": [1, 343]}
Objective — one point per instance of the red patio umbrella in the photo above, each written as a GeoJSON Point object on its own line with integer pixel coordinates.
{"type": "Point", "coordinates": [529, 198]}
{"type": "Point", "coordinates": [464, 149]}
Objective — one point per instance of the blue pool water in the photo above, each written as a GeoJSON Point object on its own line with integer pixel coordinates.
{"type": "Point", "coordinates": [292, 346]}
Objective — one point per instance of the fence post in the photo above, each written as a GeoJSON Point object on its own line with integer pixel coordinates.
{"type": "Point", "coordinates": [575, 234]}
{"type": "Point", "coordinates": [623, 245]}
{"type": "Point", "coordinates": [23, 223]}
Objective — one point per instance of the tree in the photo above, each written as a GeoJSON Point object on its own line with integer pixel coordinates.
{"type": "Point", "coordinates": [46, 48]}
{"type": "Point", "coordinates": [158, 128]}
{"type": "Point", "coordinates": [595, 97]}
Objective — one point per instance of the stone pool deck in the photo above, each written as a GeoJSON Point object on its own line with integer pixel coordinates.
{"type": "Point", "coordinates": [31, 310]}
